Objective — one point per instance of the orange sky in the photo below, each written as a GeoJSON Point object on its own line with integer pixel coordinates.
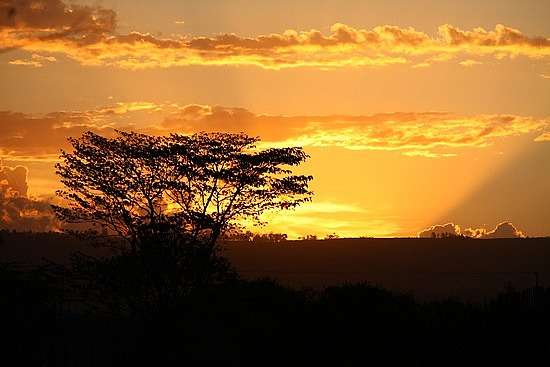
{"type": "Point", "coordinates": [414, 113]}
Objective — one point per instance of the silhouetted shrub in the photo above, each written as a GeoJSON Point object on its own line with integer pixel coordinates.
{"type": "Point", "coordinates": [244, 322]}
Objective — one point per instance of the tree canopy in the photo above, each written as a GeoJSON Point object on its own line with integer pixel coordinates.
{"type": "Point", "coordinates": [138, 186]}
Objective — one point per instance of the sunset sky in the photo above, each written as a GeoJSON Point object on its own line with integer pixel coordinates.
{"type": "Point", "coordinates": [414, 113]}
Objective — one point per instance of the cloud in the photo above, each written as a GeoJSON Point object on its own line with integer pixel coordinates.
{"type": "Point", "coordinates": [543, 137]}
{"type": "Point", "coordinates": [17, 211]}
{"type": "Point", "coordinates": [14, 180]}
{"type": "Point", "coordinates": [473, 232]}
{"type": "Point", "coordinates": [124, 107]}
{"type": "Point", "coordinates": [36, 61]}
{"type": "Point", "coordinates": [415, 134]}
{"type": "Point", "coordinates": [27, 22]}
{"type": "Point", "coordinates": [440, 230]}
{"type": "Point", "coordinates": [502, 230]}
{"type": "Point", "coordinates": [469, 63]}
{"type": "Point", "coordinates": [422, 65]}
{"type": "Point", "coordinates": [25, 136]}
{"type": "Point", "coordinates": [501, 36]}
{"type": "Point", "coordinates": [428, 134]}
{"type": "Point", "coordinates": [88, 35]}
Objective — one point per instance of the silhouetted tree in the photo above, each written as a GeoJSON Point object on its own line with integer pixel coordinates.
{"type": "Point", "coordinates": [169, 198]}
{"type": "Point", "coordinates": [138, 185]}
{"type": "Point", "coordinates": [237, 235]}
{"type": "Point", "coordinates": [270, 237]}
{"type": "Point", "coordinates": [309, 237]}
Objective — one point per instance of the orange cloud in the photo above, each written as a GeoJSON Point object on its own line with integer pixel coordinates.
{"type": "Point", "coordinates": [88, 35]}
{"type": "Point", "coordinates": [422, 65]}
{"type": "Point", "coordinates": [36, 61]}
{"type": "Point", "coordinates": [470, 62]}
{"type": "Point", "coordinates": [543, 137]}
{"type": "Point", "coordinates": [26, 21]}
{"type": "Point", "coordinates": [501, 36]}
{"type": "Point", "coordinates": [427, 134]}
{"type": "Point", "coordinates": [413, 134]}
{"type": "Point", "coordinates": [29, 137]}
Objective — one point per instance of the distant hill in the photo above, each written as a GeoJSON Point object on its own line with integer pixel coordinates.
{"type": "Point", "coordinates": [430, 268]}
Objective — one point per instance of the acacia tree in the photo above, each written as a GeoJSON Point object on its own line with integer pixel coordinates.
{"type": "Point", "coordinates": [199, 185]}
{"type": "Point", "coordinates": [169, 198]}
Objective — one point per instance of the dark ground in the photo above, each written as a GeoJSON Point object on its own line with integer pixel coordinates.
{"type": "Point", "coordinates": [264, 323]}
{"type": "Point", "coordinates": [468, 269]}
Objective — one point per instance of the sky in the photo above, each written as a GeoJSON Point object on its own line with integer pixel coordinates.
{"type": "Point", "coordinates": [416, 114]}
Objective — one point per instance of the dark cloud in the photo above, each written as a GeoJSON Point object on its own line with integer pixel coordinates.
{"type": "Point", "coordinates": [17, 211]}
{"type": "Point", "coordinates": [53, 19]}
{"type": "Point", "coordinates": [26, 136]}
{"type": "Point", "coordinates": [504, 230]}
{"type": "Point", "coordinates": [14, 180]}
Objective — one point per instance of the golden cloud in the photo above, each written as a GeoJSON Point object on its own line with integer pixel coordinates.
{"type": "Point", "coordinates": [88, 35]}
{"type": "Point", "coordinates": [543, 137]}
{"type": "Point", "coordinates": [36, 61]}
{"type": "Point", "coordinates": [413, 134]}
{"type": "Point", "coordinates": [501, 230]}
{"type": "Point", "coordinates": [422, 65]}
{"type": "Point", "coordinates": [470, 62]}
{"type": "Point", "coordinates": [427, 134]}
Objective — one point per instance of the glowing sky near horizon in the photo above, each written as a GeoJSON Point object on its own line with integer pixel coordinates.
{"type": "Point", "coordinates": [414, 113]}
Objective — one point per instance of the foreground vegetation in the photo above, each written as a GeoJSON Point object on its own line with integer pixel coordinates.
{"type": "Point", "coordinates": [49, 322]}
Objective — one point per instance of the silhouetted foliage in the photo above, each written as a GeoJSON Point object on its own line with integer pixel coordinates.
{"type": "Point", "coordinates": [164, 201]}
{"type": "Point", "coordinates": [244, 322]}
{"type": "Point", "coordinates": [270, 237]}
{"type": "Point", "coordinates": [309, 237]}
{"type": "Point", "coordinates": [237, 235]}
{"type": "Point", "coordinates": [138, 186]}
{"type": "Point", "coordinates": [248, 236]}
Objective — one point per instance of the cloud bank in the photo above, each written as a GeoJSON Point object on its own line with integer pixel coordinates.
{"type": "Point", "coordinates": [87, 34]}
{"type": "Point", "coordinates": [425, 134]}
{"type": "Point", "coordinates": [415, 134]}
{"type": "Point", "coordinates": [502, 230]}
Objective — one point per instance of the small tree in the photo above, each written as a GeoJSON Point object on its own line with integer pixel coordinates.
{"type": "Point", "coordinates": [270, 237]}
{"type": "Point", "coordinates": [309, 237]}
{"type": "Point", "coordinates": [332, 236]}
{"type": "Point", "coordinates": [169, 198]}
